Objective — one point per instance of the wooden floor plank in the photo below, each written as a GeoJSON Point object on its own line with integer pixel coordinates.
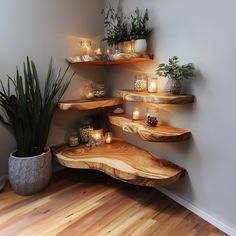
{"type": "Point", "coordinates": [89, 203]}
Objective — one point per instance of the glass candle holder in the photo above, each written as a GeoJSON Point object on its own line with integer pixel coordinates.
{"type": "Point", "coordinates": [151, 117]}
{"type": "Point", "coordinates": [85, 130]}
{"type": "Point", "coordinates": [136, 114]}
{"type": "Point", "coordinates": [140, 83]}
{"type": "Point", "coordinates": [152, 85]}
{"type": "Point", "coordinates": [73, 139]}
{"type": "Point", "coordinates": [99, 91]}
{"type": "Point", "coordinates": [108, 137]}
{"type": "Point", "coordinates": [98, 52]}
{"type": "Point", "coordinates": [97, 137]}
{"type": "Point", "coordinates": [89, 91]}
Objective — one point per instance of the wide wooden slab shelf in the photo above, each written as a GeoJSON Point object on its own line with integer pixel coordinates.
{"type": "Point", "coordinates": [122, 161]}
{"type": "Point", "coordinates": [89, 104]}
{"type": "Point", "coordinates": [161, 133]}
{"type": "Point", "coordinates": [157, 98]}
{"type": "Point", "coordinates": [113, 62]}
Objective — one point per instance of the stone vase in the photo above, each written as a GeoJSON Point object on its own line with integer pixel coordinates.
{"type": "Point", "coordinates": [174, 86]}
{"type": "Point", "coordinates": [29, 175]}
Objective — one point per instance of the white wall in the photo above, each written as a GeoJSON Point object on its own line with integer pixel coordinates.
{"type": "Point", "coordinates": [202, 32]}
{"type": "Point", "coordinates": [41, 29]}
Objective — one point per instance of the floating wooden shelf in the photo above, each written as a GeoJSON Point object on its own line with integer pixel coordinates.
{"type": "Point", "coordinates": [161, 133]}
{"type": "Point", "coordinates": [157, 98]}
{"type": "Point", "coordinates": [113, 62]}
{"type": "Point", "coordinates": [122, 161]}
{"type": "Point", "coordinates": [89, 104]}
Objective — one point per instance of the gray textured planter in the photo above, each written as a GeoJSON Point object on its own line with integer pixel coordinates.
{"type": "Point", "coordinates": [29, 175]}
{"type": "Point", "coordinates": [174, 86]}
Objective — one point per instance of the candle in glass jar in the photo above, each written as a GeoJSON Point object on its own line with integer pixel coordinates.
{"type": "Point", "coordinates": [97, 135]}
{"type": "Point", "coordinates": [136, 114]}
{"type": "Point", "coordinates": [152, 85]}
{"type": "Point", "coordinates": [98, 52]}
{"type": "Point", "coordinates": [108, 137]}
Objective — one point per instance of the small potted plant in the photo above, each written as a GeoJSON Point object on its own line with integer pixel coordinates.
{"type": "Point", "coordinates": [28, 115]}
{"type": "Point", "coordinates": [175, 73]}
{"type": "Point", "coordinates": [139, 30]}
{"type": "Point", "coordinates": [117, 30]}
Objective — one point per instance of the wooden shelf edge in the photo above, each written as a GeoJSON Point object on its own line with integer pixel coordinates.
{"type": "Point", "coordinates": [89, 104]}
{"type": "Point", "coordinates": [113, 62]}
{"type": "Point", "coordinates": [156, 98]}
{"type": "Point", "coordinates": [161, 133]}
{"type": "Point", "coordinates": [122, 161]}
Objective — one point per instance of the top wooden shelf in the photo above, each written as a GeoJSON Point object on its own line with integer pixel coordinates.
{"type": "Point", "coordinates": [113, 62]}
{"type": "Point", "coordinates": [156, 98]}
{"type": "Point", "coordinates": [89, 104]}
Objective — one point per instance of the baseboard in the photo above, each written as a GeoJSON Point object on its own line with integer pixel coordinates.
{"type": "Point", "coordinates": [220, 225]}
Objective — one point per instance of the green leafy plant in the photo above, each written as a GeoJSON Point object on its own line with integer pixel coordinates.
{"type": "Point", "coordinates": [116, 26]}
{"type": "Point", "coordinates": [175, 71]}
{"type": "Point", "coordinates": [139, 22]}
{"type": "Point", "coordinates": [29, 112]}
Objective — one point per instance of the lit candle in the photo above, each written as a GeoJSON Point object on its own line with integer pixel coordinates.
{"type": "Point", "coordinates": [152, 85]}
{"type": "Point", "coordinates": [98, 52]}
{"type": "Point", "coordinates": [136, 114]}
{"type": "Point", "coordinates": [108, 137]}
{"type": "Point", "coordinates": [97, 135]}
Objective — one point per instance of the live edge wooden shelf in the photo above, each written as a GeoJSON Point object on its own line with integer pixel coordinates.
{"type": "Point", "coordinates": [157, 98]}
{"type": "Point", "coordinates": [161, 133]}
{"type": "Point", "coordinates": [113, 62]}
{"type": "Point", "coordinates": [89, 104]}
{"type": "Point", "coordinates": [122, 161]}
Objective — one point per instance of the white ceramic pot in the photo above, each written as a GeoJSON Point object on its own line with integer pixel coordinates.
{"type": "Point", "coordinates": [29, 175]}
{"type": "Point", "coordinates": [140, 45]}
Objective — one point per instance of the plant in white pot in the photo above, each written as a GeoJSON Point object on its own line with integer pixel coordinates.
{"type": "Point", "coordinates": [175, 74]}
{"type": "Point", "coordinates": [139, 30]}
{"type": "Point", "coordinates": [28, 114]}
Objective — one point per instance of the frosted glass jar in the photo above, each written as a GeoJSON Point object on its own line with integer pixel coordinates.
{"type": "Point", "coordinates": [140, 83]}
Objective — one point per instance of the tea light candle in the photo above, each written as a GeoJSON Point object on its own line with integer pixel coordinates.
{"type": "Point", "coordinates": [108, 137]}
{"type": "Point", "coordinates": [152, 85]}
{"type": "Point", "coordinates": [136, 114]}
{"type": "Point", "coordinates": [98, 52]}
{"type": "Point", "coordinates": [97, 135]}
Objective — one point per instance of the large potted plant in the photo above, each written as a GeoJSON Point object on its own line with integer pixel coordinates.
{"type": "Point", "coordinates": [117, 30]}
{"type": "Point", "coordinates": [28, 114]}
{"type": "Point", "coordinates": [139, 30]}
{"type": "Point", "coordinates": [175, 74]}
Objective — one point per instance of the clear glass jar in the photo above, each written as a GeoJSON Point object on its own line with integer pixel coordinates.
{"type": "Point", "coordinates": [108, 137]}
{"type": "Point", "coordinates": [73, 139]}
{"type": "Point", "coordinates": [151, 117]}
{"type": "Point", "coordinates": [99, 91]}
{"type": "Point", "coordinates": [89, 91]}
{"type": "Point", "coordinates": [152, 85]}
{"type": "Point", "coordinates": [140, 83]}
{"type": "Point", "coordinates": [85, 130]}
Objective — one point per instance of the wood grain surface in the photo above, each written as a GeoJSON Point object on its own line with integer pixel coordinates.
{"type": "Point", "coordinates": [113, 62]}
{"type": "Point", "coordinates": [161, 133]}
{"type": "Point", "coordinates": [122, 161]}
{"type": "Point", "coordinates": [89, 203]}
{"type": "Point", "coordinates": [156, 98]}
{"type": "Point", "coordinates": [89, 104]}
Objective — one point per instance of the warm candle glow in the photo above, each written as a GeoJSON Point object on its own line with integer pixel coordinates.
{"type": "Point", "coordinates": [98, 52]}
{"type": "Point", "coordinates": [108, 137]}
{"type": "Point", "coordinates": [152, 85]}
{"type": "Point", "coordinates": [136, 114]}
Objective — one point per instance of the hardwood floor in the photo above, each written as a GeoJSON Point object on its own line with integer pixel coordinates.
{"type": "Point", "coordinates": [88, 203]}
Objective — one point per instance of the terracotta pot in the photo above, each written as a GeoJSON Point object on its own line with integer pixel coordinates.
{"type": "Point", "coordinates": [29, 175]}
{"type": "Point", "coordinates": [174, 86]}
{"type": "Point", "coordinates": [140, 45]}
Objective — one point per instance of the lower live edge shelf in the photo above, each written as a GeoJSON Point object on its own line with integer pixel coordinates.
{"type": "Point", "coordinates": [161, 133]}
{"type": "Point", "coordinates": [89, 104]}
{"type": "Point", "coordinates": [122, 161]}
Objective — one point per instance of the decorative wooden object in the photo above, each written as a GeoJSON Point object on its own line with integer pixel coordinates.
{"type": "Point", "coordinates": [113, 62]}
{"type": "Point", "coordinates": [122, 161]}
{"type": "Point", "coordinates": [89, 104]}
{"type": "Point", "coordinates": [161, 133]}
{"type": "Point", "coordinates": [157, 98]}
